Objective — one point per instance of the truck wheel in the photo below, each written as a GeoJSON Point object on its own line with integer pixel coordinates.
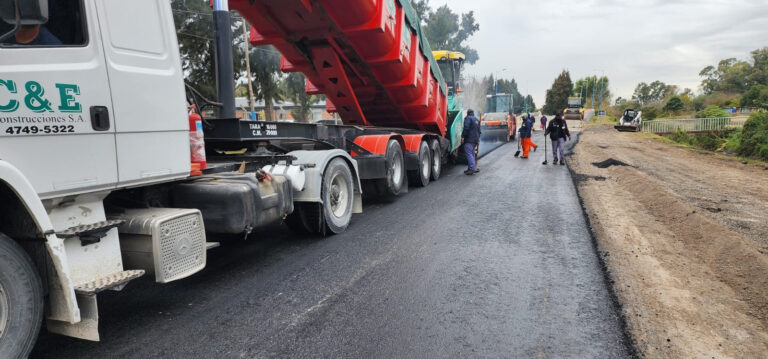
{"type": "Point", "coordinates": [437, 160]}
{"type": "Point", "coordinates": [21, 300]}
{"type": "Point", "coordinates": [338, 196]}
{"type": "Point", "coordinates": [421, 175]}
{"type": "Point", "coordinates": [395, 169]}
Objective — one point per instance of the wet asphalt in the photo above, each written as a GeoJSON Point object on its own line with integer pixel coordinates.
{"type": "Point", "coordinates": [500, 264]}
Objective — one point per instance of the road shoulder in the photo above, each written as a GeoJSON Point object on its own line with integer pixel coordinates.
{"type": "Point", "coordinates": [691, 279]}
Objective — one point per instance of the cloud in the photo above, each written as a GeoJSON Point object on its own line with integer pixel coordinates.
{"type": "Point", "coordinates": [631, 41]}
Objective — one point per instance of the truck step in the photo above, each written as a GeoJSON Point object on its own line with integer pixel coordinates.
{"type": "Point", "coordinates": [90, 233]}
{"type": "Point", "coordinates": [115, 281]}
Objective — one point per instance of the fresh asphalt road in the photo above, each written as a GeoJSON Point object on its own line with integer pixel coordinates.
{"type": "Point", "coordinates": [499, 264]}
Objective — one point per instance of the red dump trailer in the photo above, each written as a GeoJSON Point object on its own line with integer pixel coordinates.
{"type": "Point", "coordinates": [368, 57]}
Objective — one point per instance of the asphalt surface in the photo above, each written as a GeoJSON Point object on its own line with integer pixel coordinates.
{"type": "Point", "coordinates": [499, 264]}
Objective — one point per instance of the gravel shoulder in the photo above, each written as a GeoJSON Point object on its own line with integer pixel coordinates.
{"type": "Point", "coordinates": [683, 235]}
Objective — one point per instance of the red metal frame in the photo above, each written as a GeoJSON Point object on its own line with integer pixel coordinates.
{"type": "Point", "coordinates": [361, 54]}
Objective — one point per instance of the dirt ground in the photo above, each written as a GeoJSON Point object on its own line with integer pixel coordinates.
{"type": "Point", "coordinates": [684, 236]}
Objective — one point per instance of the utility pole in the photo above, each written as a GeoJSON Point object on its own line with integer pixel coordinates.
{"type": "Point", "coordinates": [248, 70]}
{"type": "Point", "coordinates": [225, 80]}
{"type": "Point", "coordinates": [594, 83]}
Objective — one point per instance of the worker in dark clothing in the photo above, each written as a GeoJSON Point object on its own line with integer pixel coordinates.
{"type": "Point", "coordinates": [558, 131]}
{"type": "Point", "coordinates": [543, 121]}
{"type": "Point", "coordinates": [526, 131]}
{"type": "Point", "coordinates": [470, 138]}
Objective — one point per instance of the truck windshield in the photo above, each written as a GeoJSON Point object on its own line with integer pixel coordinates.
{"type": "Point", "coordinates": [446, 69]}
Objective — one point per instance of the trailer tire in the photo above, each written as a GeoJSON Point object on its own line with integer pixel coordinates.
{"type": "Point", "coordinates": [338, 194]}
{"type": "Point", "coordinates": [21, 300]}
{"type": "Point", "coordinates": [395, 163]}
{"type": "Point", "coordinates": [420, 177]}
{"type": "Point", "coordinates": [437, 160]}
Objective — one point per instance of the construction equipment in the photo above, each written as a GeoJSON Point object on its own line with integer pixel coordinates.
{"type": "Point", "coordinates": [98, 180]}
{"type": "Point", "coordinates": [575, 109]}
{"type": "Point", "coordinates": [630, 121]}
{"type": "Point", "coordinates": [497, 124]}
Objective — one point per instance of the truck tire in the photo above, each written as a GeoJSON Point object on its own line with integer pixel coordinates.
{"type": "Point", "coordinates": [420, 177]}
{"type": "Point", "coordinates": [21, 300]}
{"type": "Point", "coordinates": [437, 160]}
{"type": "Point", "coordinates": [395, 169]}
{"type": "Point", "coordinates": [338, 194]}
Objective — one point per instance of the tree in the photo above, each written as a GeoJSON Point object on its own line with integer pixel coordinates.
{"type": "Point", "coordinates": [194, 29]}
{"type": "Point", "coordinates": [756, 96]}
{"type": "Point", "coordinates": [674, 104]}
{"type": "Point", "coordinates": [586, 87]}
{"type": "Point", "coordinates": [735, 76]}
{"type": "Point", "coordinates": [265, 69]}
{"type": "Point", "coordinates": [529, 104]}
{"type": "Point", "coordinates": [653, 93]}
{"type": "Point", "coordinates": [557, 96]}
{"type": "Point", "coordinates": [293, 88]}
{"type": "Point", "coordinates": [444, 31]}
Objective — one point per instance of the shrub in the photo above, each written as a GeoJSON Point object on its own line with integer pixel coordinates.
{"type": "Point", "coordinates": [681, 136]}
{"type": "Point", "coordinates": [711, 111]}
{"type": "Point", "coordinates": [674, 104]}
{"type": "Point", "coordinates": [756, 96]}
{"type": "Point", "coordinates": [650, 113]}
{"type": "Point", "coordinates": [708, 141]}
{"type": "Point", "coordinates": [732, 142]}
{"type": "Point", "coordinates": [754, 137]}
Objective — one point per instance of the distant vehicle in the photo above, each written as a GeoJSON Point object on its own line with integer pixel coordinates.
{"type": "Point", "coordinates": [575, 110]}
{"type": "Point", "coordinates": [630, 121]}
{"type": "Point", "coordinates": [496, 124]}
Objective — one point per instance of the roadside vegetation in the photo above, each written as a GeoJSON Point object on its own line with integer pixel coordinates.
{"type": "Point", "coordinates": [751, 142]}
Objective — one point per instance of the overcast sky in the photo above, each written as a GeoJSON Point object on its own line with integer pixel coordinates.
{"type": "Point", "coordinates": [630, 40]}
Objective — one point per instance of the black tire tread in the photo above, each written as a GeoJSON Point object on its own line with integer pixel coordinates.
{"type": "Point", "coordinates": [23, 285]}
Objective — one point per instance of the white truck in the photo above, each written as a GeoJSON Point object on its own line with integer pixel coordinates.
{"type": "Point", "coordinates": [95, 185]}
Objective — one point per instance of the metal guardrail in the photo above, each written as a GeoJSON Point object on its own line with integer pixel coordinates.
{"type": "Point", "coordinates": [695, 124]}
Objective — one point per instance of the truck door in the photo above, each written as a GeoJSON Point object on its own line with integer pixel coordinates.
{"type": "Point", "coordinates": [147, 83]}
{"type": "Point", "coordinates": [56, 123]}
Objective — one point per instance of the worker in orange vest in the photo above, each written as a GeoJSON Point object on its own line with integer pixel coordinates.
{"type": "Point", "coordinates": [526, 130]}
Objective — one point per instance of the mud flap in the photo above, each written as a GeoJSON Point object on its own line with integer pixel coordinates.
{"type": "Point", "coordinates": [87, 328]}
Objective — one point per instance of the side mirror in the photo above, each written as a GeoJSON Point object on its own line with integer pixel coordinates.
{"type": "Point", "coordinates": [23, 12]}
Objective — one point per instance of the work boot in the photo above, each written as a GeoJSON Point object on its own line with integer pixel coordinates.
{"type": "Point", "coordinates": [469, 172]}
{"type": "Point", "coordinates": [554, 162]}
{"type": "Point", "coordinates": [562, 163]}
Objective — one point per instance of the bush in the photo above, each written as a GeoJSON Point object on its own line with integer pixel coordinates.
{"type": "Point", "coordinates": [674, 104]}
{"type": "Point", "coordinates": [756, 96]}
{"type": "Point", "coordinates": [681, 136]}
{"type": "Point", "coordinates": [754, 137]}
{"type": "Point", "coordinates": [708, 141]}
{"type": "Point", "coordinates": [733, 141]}
{"type": "Point", "coordinates": [711, 111]}
{"type": "Point", "coordinates": [650, 113]}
